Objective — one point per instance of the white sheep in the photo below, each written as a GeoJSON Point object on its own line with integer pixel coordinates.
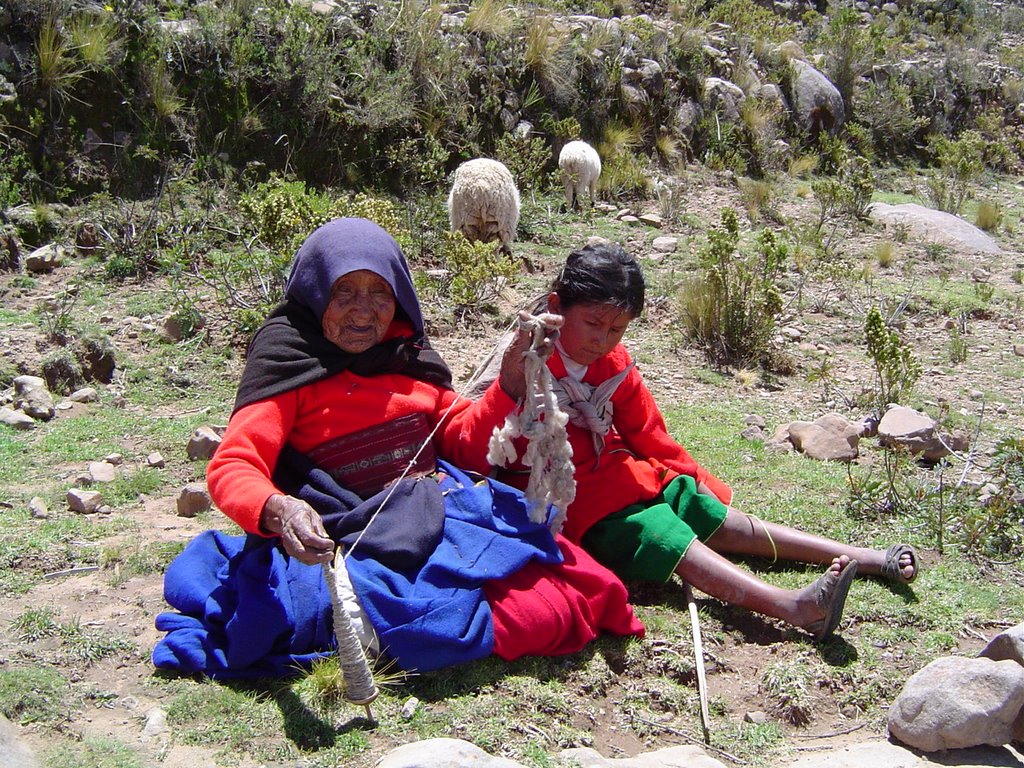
{"type": "Point", "coordinates": [484, 202]}
{"type": "Point", "coordinates": [581, 167]}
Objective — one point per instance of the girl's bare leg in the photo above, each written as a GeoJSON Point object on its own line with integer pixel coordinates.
{"type": "Point", "coordinates": [744, 535]}
{"type": "Point", "coordinates": [708, 571]}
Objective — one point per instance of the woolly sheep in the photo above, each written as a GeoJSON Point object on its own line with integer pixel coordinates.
{"type": "Point", "coordinates": [580, 166]}
{"type": "Point", "coordinates": [484, 202]}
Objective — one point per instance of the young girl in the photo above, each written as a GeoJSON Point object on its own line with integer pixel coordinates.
{"type": "Point", "coordinates": [643, 506]}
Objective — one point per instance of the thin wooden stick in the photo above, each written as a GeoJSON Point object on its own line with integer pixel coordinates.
{"type": "Point", "coordinates": [698, 652]}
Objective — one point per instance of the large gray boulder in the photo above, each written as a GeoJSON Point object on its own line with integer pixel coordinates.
{"type": "Point", "coordinates": [957, 702]}
{"type": "Point", "coordinates": [816, 102]}
{"type": "Point", "coordinates": [934, 226]}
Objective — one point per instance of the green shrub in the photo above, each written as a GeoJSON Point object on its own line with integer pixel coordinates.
{"type": "Point", "coordinates": [988, 216]}
{"type": "Point", "coordinates": [62, 372]}
{"type": "Point", "coordinates": [475, 271]}
{"type": "Point", "coordinates": [960, 166]}
{"type": "Point", "coordinates": [730, 310]}
{"type": "Point", "coordinates": [896, 368]}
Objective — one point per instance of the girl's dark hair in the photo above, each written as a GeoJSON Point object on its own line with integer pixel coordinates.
{"type": "Point", "coordinates": [601, 274]}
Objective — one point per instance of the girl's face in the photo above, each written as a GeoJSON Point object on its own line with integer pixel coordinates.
{"type": "Point", "coordinates": [590, 331]}
{"type": "Point", "coordinates": [362, 307]}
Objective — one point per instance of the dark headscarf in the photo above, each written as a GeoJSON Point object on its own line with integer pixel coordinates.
{"type": "Point", "coordinates": [290, 350]}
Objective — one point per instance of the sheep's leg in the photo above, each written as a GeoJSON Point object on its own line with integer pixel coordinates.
{"type": "Point", "coordinates": [593, 193]}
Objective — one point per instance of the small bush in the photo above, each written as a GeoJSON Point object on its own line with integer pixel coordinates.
{"type": "Point", "coordinates": [62, 372]}
{"type": "Point", "coordinates": [730, 310]}
{"type": "Point", "coordinates": [960, 166]}
{"type": "Point", "coordinates": [896, 368]}
{"type": "Point", "coordinates": [476, 271]}
{"type": "Point", "coordinates": [989, 216]}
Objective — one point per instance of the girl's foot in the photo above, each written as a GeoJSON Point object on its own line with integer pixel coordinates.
{"type": "Point", "coordinates": [900, 566]}
{"type": "Point", "coordinates": [827, 596]}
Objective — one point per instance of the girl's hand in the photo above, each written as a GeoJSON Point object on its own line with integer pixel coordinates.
{"type": "Point", "coordinates": [300, 527]}
{"type": "Point", "coordinates": [538, 333]}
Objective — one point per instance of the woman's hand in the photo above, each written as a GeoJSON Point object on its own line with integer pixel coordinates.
{"type": "Point", "coordinates": [300, 527]}
{"type": "Point", "coordinates": [512, 377]}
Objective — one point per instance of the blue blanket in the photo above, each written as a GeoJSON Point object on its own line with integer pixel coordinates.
{"type": "Point", "coordinates": [246, 610]}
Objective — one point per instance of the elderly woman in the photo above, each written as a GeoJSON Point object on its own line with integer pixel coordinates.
{"type": "Point", "coordinates": [340, 396]}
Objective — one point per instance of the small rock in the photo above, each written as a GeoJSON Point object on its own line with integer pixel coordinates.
{"type": "Point", "coordinates": [757, 718]}
{"type": "Point", "coordinates": [84, 395]}
{"type": "Point", "coordinates": [1018, 350]}
{"type": "Point", "coordinates": [102, 472]}
{"type": "Point", "coordinates": [753, 433]}
{"type": "Point", "coordinates": [114, 458]}
{"type": "Point", "coordinates": [665, 244]}
{"type": "Point", "coordinates": [37, 508]}
{"type": "Point", "coordinates": [651, 220]}
{"type": "Point", "coordinates": [409, 707]}
{"type": "Point", "coordinates": [156, 722]}
{"type": "Point", "coordinates": [753, 420]}
{"type": "Point", "coordinates": [203, 443]}
{"type": "Point", "coordinates": [596, 240]}
{"type": "Point", "coordinates": [86, 502]}
{"type": "Point", "coordinates": [155, 460]}
{"type": "Point", "coordinates": [632, 221]}
{"type": "Point", "coordinates": [16, 419]}
{"type": "Point", "coordinates": [193, 499]}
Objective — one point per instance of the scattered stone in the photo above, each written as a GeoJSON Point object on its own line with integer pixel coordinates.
{"type": "Point", "coordinates": [44, 259]}
{"type": "Point", "coordinates": [791, 333]}
{"type": "Point", "coordinates": [753, 420]}
{"type": "Point", "coordinates": [32, 397]}
{"type": "Point", "coordinates": [409, 708]}
{"type": "Point", "coordinates": [155, 460]}
{"type": "Point", "coordinates": [665, 244]}
{"type": "Point", "coordinates": [596, 240]}
{"type": "Point", "coordinates": [957, 702]}
{"type": "Point", "coordinates": [828, 438]}
{"type": "Point", "coordinates": [883, 754]}
{"type": "Point", "coordinates": [114, 458]}
{"type": "Point", "coordinates": [632, 221]}
{"type": "Point", "coordinates": [435, 753]}
{"type": "Point", "coordinates": [753, 433]}
{"type": "Point", "coordinates": [757, 718]}
{"type": "Point", "coordinates": [37, 508]}
{"type": "Point", "coordinates": [16, 419]}
{"type": "Point", "coordinates": [1006, 645]}
{"type": "Point", "coordinates": [1018, 350]}
{"type": "Point", "coordinates": [86, 502]}
{"type": "Point", "coordinates": [203, 443]}
{"type": "Point", "coordinates": [918, 433]}
{"type": "Point", "coordinates": [651, 220]}
{"type": "Point", "coordinates": [84, 395]}
{"type": "Point", "coordinates": [193, 499]}
{"type": "Point", "coordinates": [102, 472]}
{"type": "Point", "coordinates": [156, 722]}
{"type": "Point", "coordinates": [15, 752]}
{"type": "Point", "coordinates": [687, 756]}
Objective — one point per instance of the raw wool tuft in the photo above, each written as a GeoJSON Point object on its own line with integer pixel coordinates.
{"type": "Point", "coordinates": [484, 202]}
{"type": "Point", "coordinates": [542, 423]}
{"type": "Point", "coordinates": [581, 167]}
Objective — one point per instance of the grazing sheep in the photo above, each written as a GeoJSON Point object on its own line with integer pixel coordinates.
{"type": "Point", "coordinates": [484, 203]}
{"type": "Point", "coordinates": [581, 166]}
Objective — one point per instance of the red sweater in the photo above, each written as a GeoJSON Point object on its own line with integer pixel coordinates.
{"type": "Point", "coordinates": [640, 456]}
{"type": "Point", "coordinates": [239, 473]}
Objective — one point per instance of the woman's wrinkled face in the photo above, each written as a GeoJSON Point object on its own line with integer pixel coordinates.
{"type": "Point", "coordinates": [590, 331]}
{"type": "Point", "coordinates": [361, 308]}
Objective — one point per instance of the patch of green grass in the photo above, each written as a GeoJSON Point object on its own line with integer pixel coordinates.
{"type": "Point", "coordinates": [34, 695]}
{"type": "Point", "coordinates": [128, 559]}
{"type": "Point", "coordinates": [94, 752]}
{"type": "Point", "coordinates": [128, 486]}
{"type": "Point", "coordinates": [35, 624]}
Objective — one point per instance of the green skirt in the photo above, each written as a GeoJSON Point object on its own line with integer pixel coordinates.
{"type": "Point", "coordinates": [646, 541]}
